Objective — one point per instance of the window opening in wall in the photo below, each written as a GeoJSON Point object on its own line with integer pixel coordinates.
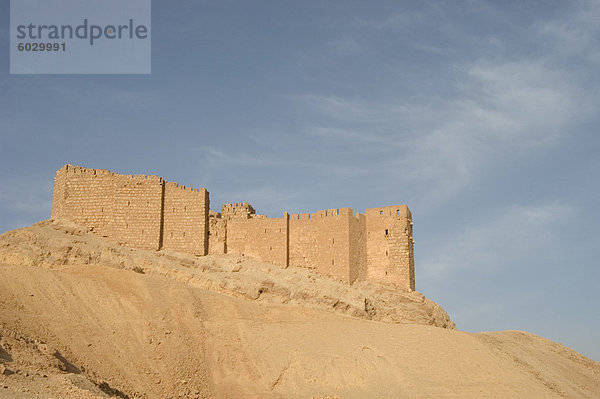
{"type": "Point", "coordinates": [386, 252]}
{"type": "Point", "coordinates": [173, 209]}
{"type": "Point", "coordinates": [101, 209]}
{"type": "Point", "coordinates": [142, 231]}
{"type": "Point", "coordinates": [397, 212]}
{"type": "Point", "coordinates": [147, 204]}
{"type": "Point", "coordinates": [184, 233]}
{"type": "Point", "coordinates": [265, 231]}
{"type": "Point", "coordinates": [128, 203]}
{"type": "Point", "coordinates": [185, 208]}
{"type": "Point", "coordinates": [381, 212]}
{"type": "Point", "coordinates": [333, 240]}
{"type": "Point", "coordinates": [270, 248]}
{"type": "Point", "coordinates": [332, 262]}
{"type": "Point", "coordinates": [387, 232]}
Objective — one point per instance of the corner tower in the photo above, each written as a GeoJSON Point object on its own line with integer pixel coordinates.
{"type": "Point", "coordinates": [390, 255]}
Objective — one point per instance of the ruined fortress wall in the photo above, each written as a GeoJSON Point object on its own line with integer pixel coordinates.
{"type": "Point", "coordinates": [59, 195]}
{"type": "Point", "coordinates": [131, 209]}
{"type": "Point", "coordinates": [86, 197]}
{"type": "Point", "coordinates": [358, 247]}
{"type": "Point", "coordinates": [321, 241]}
{"type": "Point", "coordinates": [137, 211]}
{"type": "Point", "coordinates": [147, 212]}
{"type": "Point", "coordinates": [123, 208]}
{"type": "Point", "coordinates": [265, 239]}
{"type": "Point", "coordinates": [390, 255]}
{"type": "Point", "coordinates": [216, 235]}
{"type": "Point", "coordinates": [237, 210]}
{"type": "Point", "coordinates": [185, 219]}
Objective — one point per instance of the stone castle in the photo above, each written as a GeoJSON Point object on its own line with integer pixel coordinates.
{"type": "Point", "coordinates": [150, 213]}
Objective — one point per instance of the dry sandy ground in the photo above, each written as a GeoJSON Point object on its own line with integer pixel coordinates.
{"type": "Point", "coordinates": [75, 324]}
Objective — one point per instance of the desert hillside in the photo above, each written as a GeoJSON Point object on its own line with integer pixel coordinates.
{"type": "Point", "coordinates": [81, 317]}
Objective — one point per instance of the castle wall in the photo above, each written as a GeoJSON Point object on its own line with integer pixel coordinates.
{"type": "Point", "coordinates": [265, 239]}
{"type": "Point", "coordinates": [216, 234]}
{"type": "Point", "coordinates": [185, 219]}
{"type": "Point", "coordinates": [59, 194]}
{"type": "Point", "coordinates": [321, 241]}
{"type": "Point", "coordinates": [147, 212]}
{"type": "Point", "coordinates": [389, 242]}
{"type": "Point", "coordinates": [131, 210]}
{"type": "Point", "coordinates": [136, 213]}
{"type": "Point", "coordinates": [237, 210]}
{"type": "Point", "coordinates": [85, 196]}
{"type": "Point", "coordinates": [358, 248]}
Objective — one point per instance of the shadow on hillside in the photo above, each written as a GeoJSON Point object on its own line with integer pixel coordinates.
{"type": "Point", "coordinates": [4, 355]}
{"type": "Point", "coordinates": [66, 365]}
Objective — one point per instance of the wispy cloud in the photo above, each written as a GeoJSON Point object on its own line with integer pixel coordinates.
{"type": "Point", "coordinates": [576, 35]}
{"type": "Point", "coordinates": [394, 20]}
{"type": "Point", "coordinates": [497, 111]}
{"type": "Point", "coordinates": [267, 196]}
{"type": "Point", "coordinates": [342, 135]}
{"type": "Point", "coordinates": [219, 157]}
{"type": "Point", "coordinates": [486, 111]}
{"type": "Point", "coordinates": [315, 161]}
{"type": "Point", "coordinates": [479, 113]}
{"type": "Point", "coordinates": [501, 113]}
{"type": "Point", "coordinates": [432, 49]}
{"type": "Point", "coordinates": [345, 45]}
{"type": "Point", "coordinates": [510, 236]}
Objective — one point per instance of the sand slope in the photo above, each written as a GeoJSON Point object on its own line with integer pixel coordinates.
{"type": "Point", "coordinates": [91, 331]}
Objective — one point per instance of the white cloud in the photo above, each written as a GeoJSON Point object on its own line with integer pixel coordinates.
{"type": "Point", "coordinates": [510, 236]}
{"type": "Point", "coordinates": [311, 158]}
{"type": "Point", "coordinates": [337, 107]}
{"type": "Point", "coordinates": [218, 157]}
{"type": "Point", "coordinates": [498, 111]}
{"type": "Point", "coordinates": [395, 20]}
{"type": "Point", "coordinates": [266, 196]}
{"type": "Point", "coordinates": [345, 45]}
{"type": "Point", "coordinates": [505, 104]}
{"type": "Point", "coordinates": [342, 135]}
{"type": "Point", "coordinates": [431, 49]}
{"type": "Point", "coordinates": [575, 34]}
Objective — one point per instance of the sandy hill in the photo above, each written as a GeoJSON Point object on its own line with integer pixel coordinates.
{"type": "Point", "coordinates": [81, 317]}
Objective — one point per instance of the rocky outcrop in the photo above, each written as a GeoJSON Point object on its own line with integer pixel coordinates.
{"type": "Point", "coordinates": [55, 244]}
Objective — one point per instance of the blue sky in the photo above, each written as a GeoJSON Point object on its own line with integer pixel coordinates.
{"type": "Point", "coordinates": [481, 116]}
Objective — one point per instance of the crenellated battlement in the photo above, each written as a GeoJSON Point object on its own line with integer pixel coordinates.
{"type": "Point", "coordinates": [84, 171]}
{"type": "Point", "coordinates": [142, 211]}
{"type": "Point", "coordinates": [323, 213]}
{"type": "Point", "coordinates": [80, 170]}
{"type": "Point", "coordinates": [145, 211]}
{"type": "Point", "coordinates": [238, 210]}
